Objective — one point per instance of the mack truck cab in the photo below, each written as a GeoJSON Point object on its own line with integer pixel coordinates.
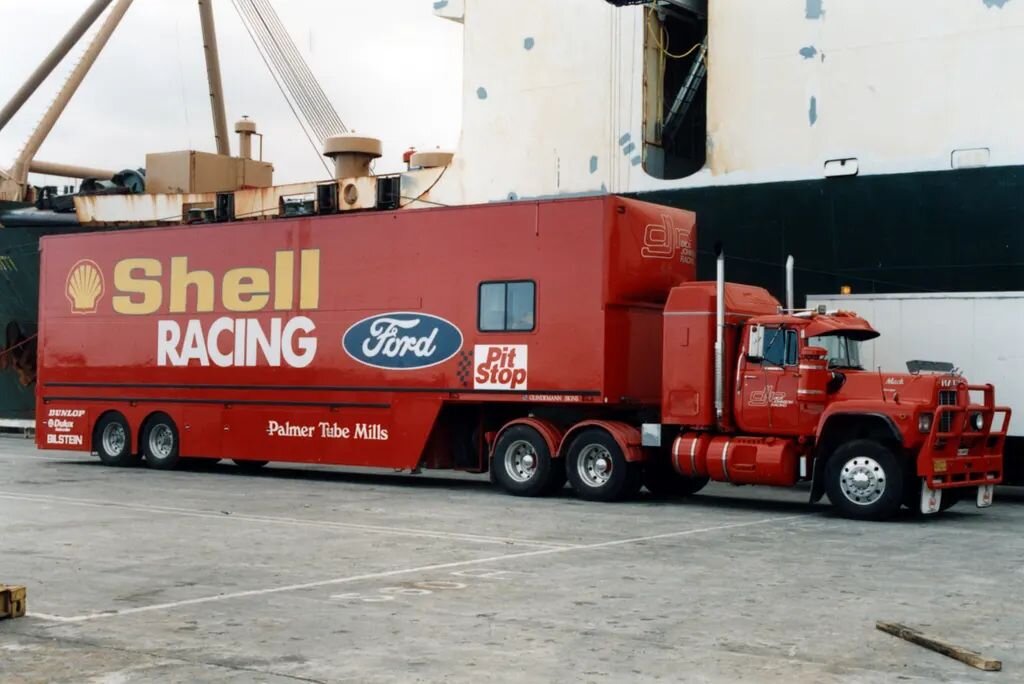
{"type": "Point", "coordinates": [757, 394]}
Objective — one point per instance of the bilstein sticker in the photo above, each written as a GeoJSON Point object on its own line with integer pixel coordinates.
{"type": "Point", "coordinates": [402, 340]}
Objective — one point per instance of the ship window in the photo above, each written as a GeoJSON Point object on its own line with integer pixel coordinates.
{"type": "Point", "coordinates": [675, 91]}
{"type": "Point", "coordinates": [507, 306]}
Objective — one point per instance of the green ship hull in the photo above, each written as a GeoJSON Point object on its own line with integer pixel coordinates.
{"type": "Point", "coordinates": [19, 311]}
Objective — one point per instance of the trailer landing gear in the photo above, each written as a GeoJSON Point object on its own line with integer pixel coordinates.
{"type": "Point", "coordinates": [249, 466]}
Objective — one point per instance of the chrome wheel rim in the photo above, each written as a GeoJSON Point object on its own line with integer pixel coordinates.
{"type": "Point", "coordinates": [595, 465]}
{"type": "Point", "coordinates": [161, 441]}
{"type": "Point", "coordinates": [862, 480]}
{"type": "Point", "coordinates": [521, 461]}
{"type": "Point", "coordinates": [114, 439]}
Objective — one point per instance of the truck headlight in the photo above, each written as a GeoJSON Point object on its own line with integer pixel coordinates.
{"type": "Point", "coordinates": [924, 422]}
{"type": "Point", "coordinates": [977, 422]}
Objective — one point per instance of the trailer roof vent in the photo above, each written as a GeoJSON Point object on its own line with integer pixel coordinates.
{"type": "Point", "coordinates": [352, 154]}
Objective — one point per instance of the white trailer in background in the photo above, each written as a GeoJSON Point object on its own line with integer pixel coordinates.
{"type": "Point", "coordinates": [980, 333]}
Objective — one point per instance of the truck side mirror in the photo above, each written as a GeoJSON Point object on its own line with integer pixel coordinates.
{"type": "Point", "coordinates": [755, 344]}
{"type": "Point", "coordinates": [813, 353]}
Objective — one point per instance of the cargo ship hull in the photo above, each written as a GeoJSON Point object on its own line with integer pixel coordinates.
{"type": "Point", "coordinates": [918, 232]}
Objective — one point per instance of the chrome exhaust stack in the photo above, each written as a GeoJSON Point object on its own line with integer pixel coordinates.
{"type": "Point", "coordinates": [720, 337]}
{"type": "Point", "coordinates": [790, 262]}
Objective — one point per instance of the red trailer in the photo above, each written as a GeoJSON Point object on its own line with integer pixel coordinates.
{"type": "Point", "coordinates": [537, 341]}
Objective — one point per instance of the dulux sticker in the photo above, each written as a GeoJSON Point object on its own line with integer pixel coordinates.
{"type": "Point", "coordinates": [402, 340]}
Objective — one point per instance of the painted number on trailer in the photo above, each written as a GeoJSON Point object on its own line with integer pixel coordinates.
{"type": "Point", "coordinates": [665, 240]}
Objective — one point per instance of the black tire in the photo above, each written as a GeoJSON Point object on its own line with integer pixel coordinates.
{"type": "Point", "coordinates": [619, 478]}
{"type": "Point", "coordinates": [912, 495]}
{"type": "Point", "coordinates": [160, 442]}
{"type": "Point", "coordinates": [515, 474]}
{"type": "Point", "coordinates": [950, 498]}
{"type": "Point", "coordinates": [112, 441]}
{"type": "Point", "coordinates": [557, 479]}
{"type": "Point", "coordinates": [664, 482]}
{"type": "Point", "coordinates": [249, 466]}
{"type": "Point", "coordinates": [874, 478]}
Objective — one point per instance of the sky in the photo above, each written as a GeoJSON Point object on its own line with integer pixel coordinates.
{"type": "Point", "coordinates": [390, 68]}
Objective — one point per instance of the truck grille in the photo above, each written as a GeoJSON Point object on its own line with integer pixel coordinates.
{"type": "Point", "coordinates": [947, 398]}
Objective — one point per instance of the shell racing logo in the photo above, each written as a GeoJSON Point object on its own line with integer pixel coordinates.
{"type": "Point", "coordinates": [84, 287]}
{"type": "Point", "coordinates": [265, 308]}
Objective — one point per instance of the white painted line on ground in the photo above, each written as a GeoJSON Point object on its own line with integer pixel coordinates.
{"type": "Point", "coordinates": [299, 522]}
{"type": "Point", "coordinates": [409, 571]}
{"type": "Point", "coordinates": [41, 457]}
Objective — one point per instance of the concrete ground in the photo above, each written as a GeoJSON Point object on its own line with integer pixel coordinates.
{"type": "Point", "coordinates": [321, 575]}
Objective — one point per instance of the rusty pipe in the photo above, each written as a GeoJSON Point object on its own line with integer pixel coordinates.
{"type": "Point", "coordinates": [69, 170]}
{"type": "Point", "coordinates": [59, 51]}
{"type": "Point", "coordinates": [220, 119]}
{"type": "Point", "coordinates": [67, 91]}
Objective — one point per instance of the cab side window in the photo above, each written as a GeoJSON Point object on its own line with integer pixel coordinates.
{"type": "Point", "coordinates": [780, 347]}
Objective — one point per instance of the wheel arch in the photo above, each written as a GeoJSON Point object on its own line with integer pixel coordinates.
{"type": "Point", "coordinates": [625, 435]}
{"type": "Point", "coordinates": [839, 428]}
{"type": "Point", "coordinates": [549, 432]}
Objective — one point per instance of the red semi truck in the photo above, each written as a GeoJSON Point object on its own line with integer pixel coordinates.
{"type": "Point", "coordinates": [539, 341]}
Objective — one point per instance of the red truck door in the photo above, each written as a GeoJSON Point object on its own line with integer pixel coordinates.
{"type": "Point", "coordinates": [785, 409]}
{"type": "Point", "coordinates": [767, 400]}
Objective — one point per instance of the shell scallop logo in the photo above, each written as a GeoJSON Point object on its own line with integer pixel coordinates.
{"type": "Point", "coordinates": [85, 287]}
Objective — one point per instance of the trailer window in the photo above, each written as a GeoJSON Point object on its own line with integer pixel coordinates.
{"type": "Point", "coordinates": [507, 306]}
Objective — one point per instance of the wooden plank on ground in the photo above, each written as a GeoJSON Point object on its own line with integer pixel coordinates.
{"type": "Point", "coordinates": [939, 646]}
{"type": "Point", "coordinates": [12, 601]}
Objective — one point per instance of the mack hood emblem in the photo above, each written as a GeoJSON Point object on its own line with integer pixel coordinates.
{"type": "Point", "coordinates": [402, 341]}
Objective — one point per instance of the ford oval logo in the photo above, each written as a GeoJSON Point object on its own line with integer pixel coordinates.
{"type": "Point", "coordinates": [402, 340]}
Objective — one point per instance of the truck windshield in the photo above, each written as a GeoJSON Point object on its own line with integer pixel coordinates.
{"type": "Point", "coordinates": [843, 352]}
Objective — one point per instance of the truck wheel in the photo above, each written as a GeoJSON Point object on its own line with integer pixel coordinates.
{"type": "Point", "coordinates": [663, 481]}
{"type": "Point", "coordinates": [249, 466]}
{"type": "Point", "coordinates": [160, 442]}
{"type": "Point", "coordinates": [598, 470]}
{"type": "Point", "coordinates": [864, 480]}
{"type": "Point", "coordinates": [522, 463]}
{"type": "Point", "coordinates": [112, 441]}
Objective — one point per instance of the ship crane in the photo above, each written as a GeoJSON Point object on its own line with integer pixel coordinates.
{"type": "Point", "coordinates": [305, 96]}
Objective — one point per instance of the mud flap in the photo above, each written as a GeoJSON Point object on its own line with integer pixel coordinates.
{"type": "Point", "coordinates": [985, 494]}
{"type": "Point", "coordinates": [817, 479]}
{"type": "Point", "coordinates": [931, 499]}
